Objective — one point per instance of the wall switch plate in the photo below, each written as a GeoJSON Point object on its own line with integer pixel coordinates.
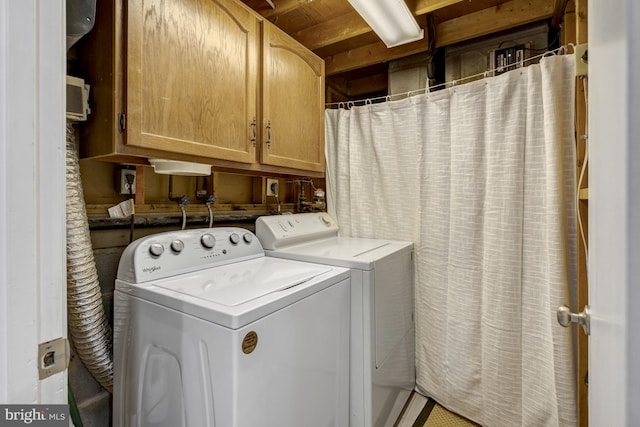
{"type": "Point", "coordinates": [124, 184]}
{"type": "Point", "coordinates": [581, 66]}
{"type": "Point", "coordinates": [272, 187]}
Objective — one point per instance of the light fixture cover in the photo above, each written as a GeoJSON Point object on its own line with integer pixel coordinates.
{"type": "Point", "coordinates": [391, 20]}
{"type": "Point", "coordinates": [174, 167]}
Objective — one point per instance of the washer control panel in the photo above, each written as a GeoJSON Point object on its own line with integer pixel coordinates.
{"type": "Point", "coordinates": [278, 231]}
{"type": "Point", "coordinates": [177, 252]}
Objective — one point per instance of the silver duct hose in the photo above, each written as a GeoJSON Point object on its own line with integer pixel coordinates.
{"type": "Point", "coordinates": [88, 325]}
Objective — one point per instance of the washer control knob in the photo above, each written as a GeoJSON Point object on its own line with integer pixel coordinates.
{"type": "Point", "coordinates": [156, 249]}
{"type": "Point", "coordinates": [208, 241]}
{"type": "Point", "coordinates": [248, 237]}
{"type": "Point", "coordinates": [325, 220]}
{"type": "Point", "coordinates": [177, 246]}
{"type": "Point", "coordinates": [234, 238]}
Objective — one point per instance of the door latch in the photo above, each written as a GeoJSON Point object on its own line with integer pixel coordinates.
{"type": "Point", "coordinates": [566, 318]}
{"type": "Point", "coordinates": [53, 357]}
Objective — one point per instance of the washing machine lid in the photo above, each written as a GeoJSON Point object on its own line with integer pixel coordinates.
{"type": "Point", "coordinates": [236, 284]}
{"type": "Point", "coordinates": [348, 252]}
{"type": "Point", "coordinates": [236, 294]}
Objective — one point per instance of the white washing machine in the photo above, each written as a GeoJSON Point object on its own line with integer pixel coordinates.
{"type": "Point", "coordinates": [382, 365]}
{"type": "Point", "coordinates": [210, 332]}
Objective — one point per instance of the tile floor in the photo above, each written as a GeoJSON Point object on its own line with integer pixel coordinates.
{"type": "Point", "coordinates": [416, 412]}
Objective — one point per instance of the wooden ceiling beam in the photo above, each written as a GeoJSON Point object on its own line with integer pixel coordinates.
{"type": "Point", "coordinates": [336, 30]}
{"type": "Point", "coordinates": [506, 15]}
{"type": "Point", "coordinates": [351, 25]}
{"type": "Point", "coordinates": [369, 84]}
{"type": "Point", "coordinates": [558, 12]}
{"type": "Point", "coordinates": [371, 54]}
{"type": "Point", "coordinates": [422, 7]}
{"type": "Point", "coordinates": [282, 7]}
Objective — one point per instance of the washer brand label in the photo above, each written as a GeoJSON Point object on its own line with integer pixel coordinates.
{"type": "Point", "coordinates": [151, 269]}
{"type": "Point", "coordinates": [250, 342]}
{"type": "Point", "coordinates": [34, 415]}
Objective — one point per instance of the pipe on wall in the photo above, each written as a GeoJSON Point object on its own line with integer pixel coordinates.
{"type": "Point", "coordinates": [88, 325]}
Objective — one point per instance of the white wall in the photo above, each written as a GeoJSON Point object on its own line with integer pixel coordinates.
{"type": "Point", "coordinates": [32, 196]}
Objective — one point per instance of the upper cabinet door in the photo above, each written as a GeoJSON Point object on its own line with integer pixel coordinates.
{"type": "Point", "coordinates": [293, 103]}
{"type": "Point", "coordinates": [192, 76]}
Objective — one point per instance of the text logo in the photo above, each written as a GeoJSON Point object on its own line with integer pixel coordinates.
{"type": "Point", "coordinates": [151, 269]}
{"type": "Point", "coordinates": [34, 415]}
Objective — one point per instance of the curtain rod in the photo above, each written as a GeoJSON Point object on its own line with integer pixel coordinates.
{"type": "Point", "coordinates": [562, 50]}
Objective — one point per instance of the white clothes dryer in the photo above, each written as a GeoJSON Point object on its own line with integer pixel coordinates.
{"type": "Point", "coordinates": [210, 332]}
{"type": "Point", "coordinates": [382, 365]}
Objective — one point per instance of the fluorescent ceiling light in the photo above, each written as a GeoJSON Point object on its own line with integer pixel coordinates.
{"type": "Point", "coordinates": [391, 20]}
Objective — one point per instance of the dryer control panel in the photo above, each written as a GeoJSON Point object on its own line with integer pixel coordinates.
{"type": "Point", "coordinates": [176, 252]}
{"type": "Point", "coordinates": [279, 231]}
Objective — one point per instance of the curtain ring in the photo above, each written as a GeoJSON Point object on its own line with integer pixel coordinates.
{"type": "Point", "coordinates": [340, 105]}
{"type": "Point", "coordinates": [368, 102]}
{"type": "Point", "coordinates": [350, 104]}
{"type": "Point", "coordinates": [388, 98]}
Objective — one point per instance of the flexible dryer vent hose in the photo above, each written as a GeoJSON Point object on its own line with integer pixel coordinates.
{"type": "Point", "coordinates": [88, 325]}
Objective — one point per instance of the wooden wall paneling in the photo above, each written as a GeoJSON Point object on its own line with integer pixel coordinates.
{"type": "Point", "coordinates": [579, 17]}
{"type": "Point", "coordinates": [568, 30]}
{"type": "Point", "coordinates": [259, 190]}
{"type": "Point", "coordinates": [102, 69]}
{"type": "Point", "coordinates": [581, 21]}
{"type": "Point", "coordinates": [139, 194]}
{"type": "Point", "coordinates": [583, 290]}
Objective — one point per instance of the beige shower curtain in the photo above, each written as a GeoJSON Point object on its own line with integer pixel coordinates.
{"type": "Point", "coordinates": [481, 178]}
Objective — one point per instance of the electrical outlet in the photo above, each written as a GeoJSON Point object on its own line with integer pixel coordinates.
{"type": "Point", "coordinates": [124, 184]}
{"type": "Point", "coordinates": [272, 187]}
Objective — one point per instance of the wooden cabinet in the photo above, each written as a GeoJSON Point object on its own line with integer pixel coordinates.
{"type": "Point", "coordinates": [191, 80]}
{"type": "Point", "coordinates": [192, 72]}
{"type": "Point", "coordinates": [293, 103]}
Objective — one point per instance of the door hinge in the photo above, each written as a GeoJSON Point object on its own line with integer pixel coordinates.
{"type": "Point", "coordinates": [122, 121]}
{"type": "Point", "coordinates": [53, 357]}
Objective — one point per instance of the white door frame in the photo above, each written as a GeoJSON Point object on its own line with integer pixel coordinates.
{"type": "Point", "coordinates": [32, 196]}
{"type": "Point", "coordinates": [614, 213]}
{"type": "Point", "coordinates": [32, 236]}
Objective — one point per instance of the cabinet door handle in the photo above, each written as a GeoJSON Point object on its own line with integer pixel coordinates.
{"type": "Point", "coordinates": [268, 134]}
{"type": "Point", "coordinates": [253, 127]}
